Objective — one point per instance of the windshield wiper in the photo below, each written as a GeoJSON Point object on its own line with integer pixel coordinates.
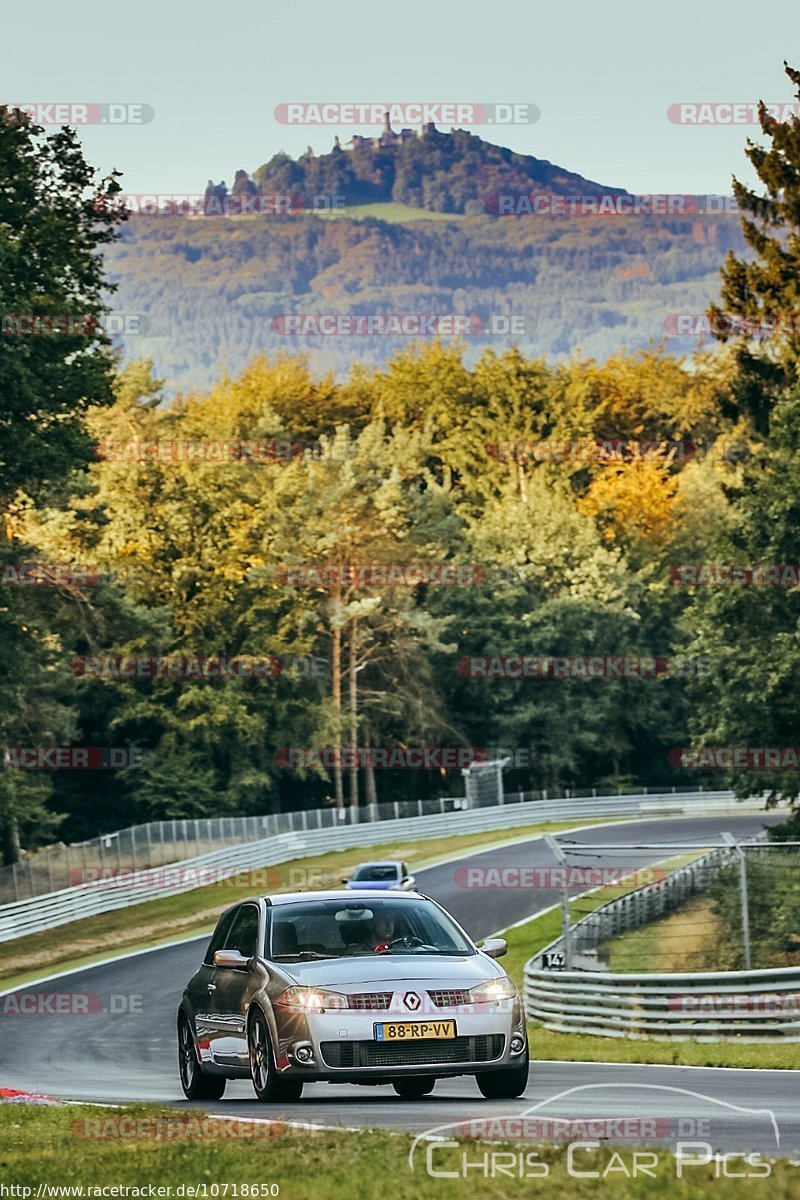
{"type": "Point", "coordinates": [300, 956]}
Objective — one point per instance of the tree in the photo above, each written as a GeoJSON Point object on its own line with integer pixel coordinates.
{"type": "Point", "coordinates": [753, 632]}
{"type": "Point", "coordinates": [54, 215]}
{"type": "Point", "coordinates": [365, 504]}
{"type": "Point", "coordinates": [55, 362]}
{"type": "Point", "coordinates": [761, 295]}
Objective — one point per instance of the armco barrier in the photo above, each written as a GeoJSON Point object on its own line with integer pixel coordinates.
{"type": "Point", "coordinates": [71, 904]}
{"type": "Point", "coordinates": [746, 1006]}
{"type": "Point", "coordinates": [158, 843]}
{"type": "Point", "coordinates": [640, 906]}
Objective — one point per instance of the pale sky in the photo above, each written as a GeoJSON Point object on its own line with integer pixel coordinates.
{"type": "Point", "coordinates": [603, 78]}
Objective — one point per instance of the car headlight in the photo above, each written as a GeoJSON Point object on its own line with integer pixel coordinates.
{"type": "Point", "coordinates": [494, 991]}
{"type": "Point", "coordinates": [312, 999]}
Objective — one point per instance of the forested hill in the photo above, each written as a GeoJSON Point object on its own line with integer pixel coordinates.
{"type": "Point", "coordinates": [415, 234]}
{"type": "Point", "coordinates": [455, 172]}
{"type": "Point", "coordinates": [214, 290]}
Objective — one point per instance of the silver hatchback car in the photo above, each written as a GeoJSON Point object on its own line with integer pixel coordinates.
{"type": "Point", "coordinates": [349, 987]}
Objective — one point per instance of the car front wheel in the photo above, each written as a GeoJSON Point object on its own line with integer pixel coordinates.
{"type": "Point", "coordinates": [505, 1084]}
{"type": "Point", "coordinates": [196, 1084]}
{"type": "Point", "coordinates": [269, 1086]}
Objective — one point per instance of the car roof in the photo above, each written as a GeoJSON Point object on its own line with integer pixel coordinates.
{"type": "Point", "coordinates": [380, 862]}
{"type": "Point", "coordinates": [349, 895]}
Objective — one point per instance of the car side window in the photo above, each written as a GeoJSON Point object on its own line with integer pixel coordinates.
{"type": "Point", "coordinates": [243, 935]}
{"type": "Point", "coordinates": [218, 937]}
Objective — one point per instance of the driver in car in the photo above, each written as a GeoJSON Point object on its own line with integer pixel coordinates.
{"type": "Point", "coordinates": [383, 930]}
{"type": "Point", "coordinates": [374, 936]}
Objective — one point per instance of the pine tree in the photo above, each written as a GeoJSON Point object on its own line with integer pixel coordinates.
{"type": "Point", "coordinates": [761, 295]}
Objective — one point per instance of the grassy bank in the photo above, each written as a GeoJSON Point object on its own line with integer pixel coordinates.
{"type": "Point", "coordinates": [72, 1146]}
{"type": "Point", "coordinates": [683, 941]}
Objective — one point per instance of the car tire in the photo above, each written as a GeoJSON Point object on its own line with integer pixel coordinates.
{"type": "Point", "coordinates": [506, 1084]}
{"type": "Point", "coordinates": [269, 1086]}
{"type": "Point", "coordinates": [196, 1083]}
{"type": "Point", "coordinates": [413, 1089]}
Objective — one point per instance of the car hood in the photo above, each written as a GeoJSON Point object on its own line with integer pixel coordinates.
{"type": "Point", "coordinates": [390, 968]}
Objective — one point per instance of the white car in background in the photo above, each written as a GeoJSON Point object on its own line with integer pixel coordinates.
{"type": "Point", "coordinates": [381, 877]}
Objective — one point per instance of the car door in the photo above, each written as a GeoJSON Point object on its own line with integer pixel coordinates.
{"type": "Point", "coordinates": [232, 988]}
{"type": "Point", "coordinates": [202, 988]}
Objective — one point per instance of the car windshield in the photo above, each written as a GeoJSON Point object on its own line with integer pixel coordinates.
{"type": "Point", "coordinates": [376, 873]}
{"type": "Point", "coordinates": [341, 929]}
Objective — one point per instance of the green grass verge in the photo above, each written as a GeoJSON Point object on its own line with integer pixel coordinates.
{"type": "Point", "coordinates": [525, 940]}
{"type": "Point", "coordinates": [685, 940]}
{"type": "Point", "coordinates": [49, 1146]}
{"type": "Point", "coordinates": [393, 213]}
{"type": "Point", "coordinates": [158, 922]}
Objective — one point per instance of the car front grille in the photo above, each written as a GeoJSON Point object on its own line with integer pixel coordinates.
{"type": "Point", "coordinates": [481, 1048]}
{"type": "Point", "coordinates": [370, 1001]}
{"type": "Point", "coordinates": [448, 998]}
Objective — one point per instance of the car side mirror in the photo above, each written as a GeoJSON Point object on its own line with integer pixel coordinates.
{"type": "Point", "coordinates": [410, 880]}
{"type": "Point", "coordinates": [230, 958]}
{"type": "Point", "coordinates": [495, 947]}
{"type": "Point", "coordinates": [345, 881]}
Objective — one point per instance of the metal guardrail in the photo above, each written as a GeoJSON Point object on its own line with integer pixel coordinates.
{"type": "Point", "coordinates": [748, 1006]}
{"type": "Point", "coordinates": [635, 908]}
{"type": "Point", "coordinates": [157, 843]}
{"type": "Point", "coordinates": [72, 904]}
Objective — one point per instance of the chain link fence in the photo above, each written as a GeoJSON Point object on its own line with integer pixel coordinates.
{"type": "Point", "coordinates": [158, 843]}
{"type": "Point", "coordinates": [678, 908]}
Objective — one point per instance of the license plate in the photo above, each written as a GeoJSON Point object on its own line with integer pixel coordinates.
{"type": "Point", "coordinates": [400, 1031]}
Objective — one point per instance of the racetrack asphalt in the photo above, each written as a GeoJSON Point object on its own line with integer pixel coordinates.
{"type": "Point", "coordinates": [130, 1055]}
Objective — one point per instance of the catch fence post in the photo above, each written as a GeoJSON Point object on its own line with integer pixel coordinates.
{"type": "Point", "coordinates": [743, 901]}
{"type": "Point", "coordinates": [561, 858]}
